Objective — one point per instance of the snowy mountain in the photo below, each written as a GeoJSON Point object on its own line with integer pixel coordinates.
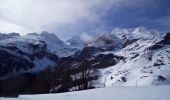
{"type": "Point", "coordinates": [140, 57]}
{"type": "Point", "coordinates": [124, 57]}
{"type": "Point", "coordinates": [54, 44]}
{"type": "Point", "coordinates": [146, 62]}
{"type": "Point", "coordinates": [30, 53]}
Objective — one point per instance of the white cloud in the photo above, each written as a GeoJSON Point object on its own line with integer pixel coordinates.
{"type": "Point", "coordinates": [86, 37]}
{"type": "Point", "coordinates": [38, 15]}
{"type": "Point", "coordinates": [7, 27]}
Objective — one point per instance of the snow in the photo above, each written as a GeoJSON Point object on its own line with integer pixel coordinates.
{"type": "Point", "coordinates": [137, 69]}
{"type": "Point", "coordinates": [137, 32]}
{"type": "Point", "coordinates": [54, 44]}
{"type": "Point", "coordinates": [108, 93]}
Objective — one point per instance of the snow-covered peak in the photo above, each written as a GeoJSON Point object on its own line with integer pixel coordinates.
{"type": "Point", "coordinates": [45, 36]}
{"type": "Point", "coordinates": [9, 35]}
{"type": "Point", "coordinates": [52, 36]}
{"type": "Point", "coordinates": [131, 33]}
{"type": "Point", "coordinates": [54, 44]}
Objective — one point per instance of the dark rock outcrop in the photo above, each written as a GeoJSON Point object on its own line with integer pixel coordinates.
{"type": "Point", "coordinates": [159, 45]}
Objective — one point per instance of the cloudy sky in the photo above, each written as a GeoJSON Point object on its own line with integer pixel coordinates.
{"type": "Point", "coordinates": [72, 17]}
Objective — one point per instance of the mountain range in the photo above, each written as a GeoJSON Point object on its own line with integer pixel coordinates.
{"type": "Point", "coordinates": [124, 57]}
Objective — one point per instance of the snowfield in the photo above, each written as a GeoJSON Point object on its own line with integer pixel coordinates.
{"type": "Point", "coordinates": [108, 93]}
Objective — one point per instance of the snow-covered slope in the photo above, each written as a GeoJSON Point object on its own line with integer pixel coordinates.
{"type": "Point", "coordinates": [146, 63]}
{"type": "Point", "coordinates": [109, 93]}
{"type": "Point", "coordinates": [30, 53]}
{"type": "Point", "coordinates": [54, 44]}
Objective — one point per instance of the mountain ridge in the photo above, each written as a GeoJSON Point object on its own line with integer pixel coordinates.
{"type": "Point", "coordinates": [124, 57]}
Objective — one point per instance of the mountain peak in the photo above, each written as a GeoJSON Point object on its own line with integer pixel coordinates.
{"type": "Point", "coordinates": [138, 32]}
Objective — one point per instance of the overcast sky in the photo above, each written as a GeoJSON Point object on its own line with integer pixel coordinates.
{"type": "Point", "coordinates": [72, 17]}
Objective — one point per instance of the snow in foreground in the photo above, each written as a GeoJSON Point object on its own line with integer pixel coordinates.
{"type": "Point", "coordinates": [109, 93]}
